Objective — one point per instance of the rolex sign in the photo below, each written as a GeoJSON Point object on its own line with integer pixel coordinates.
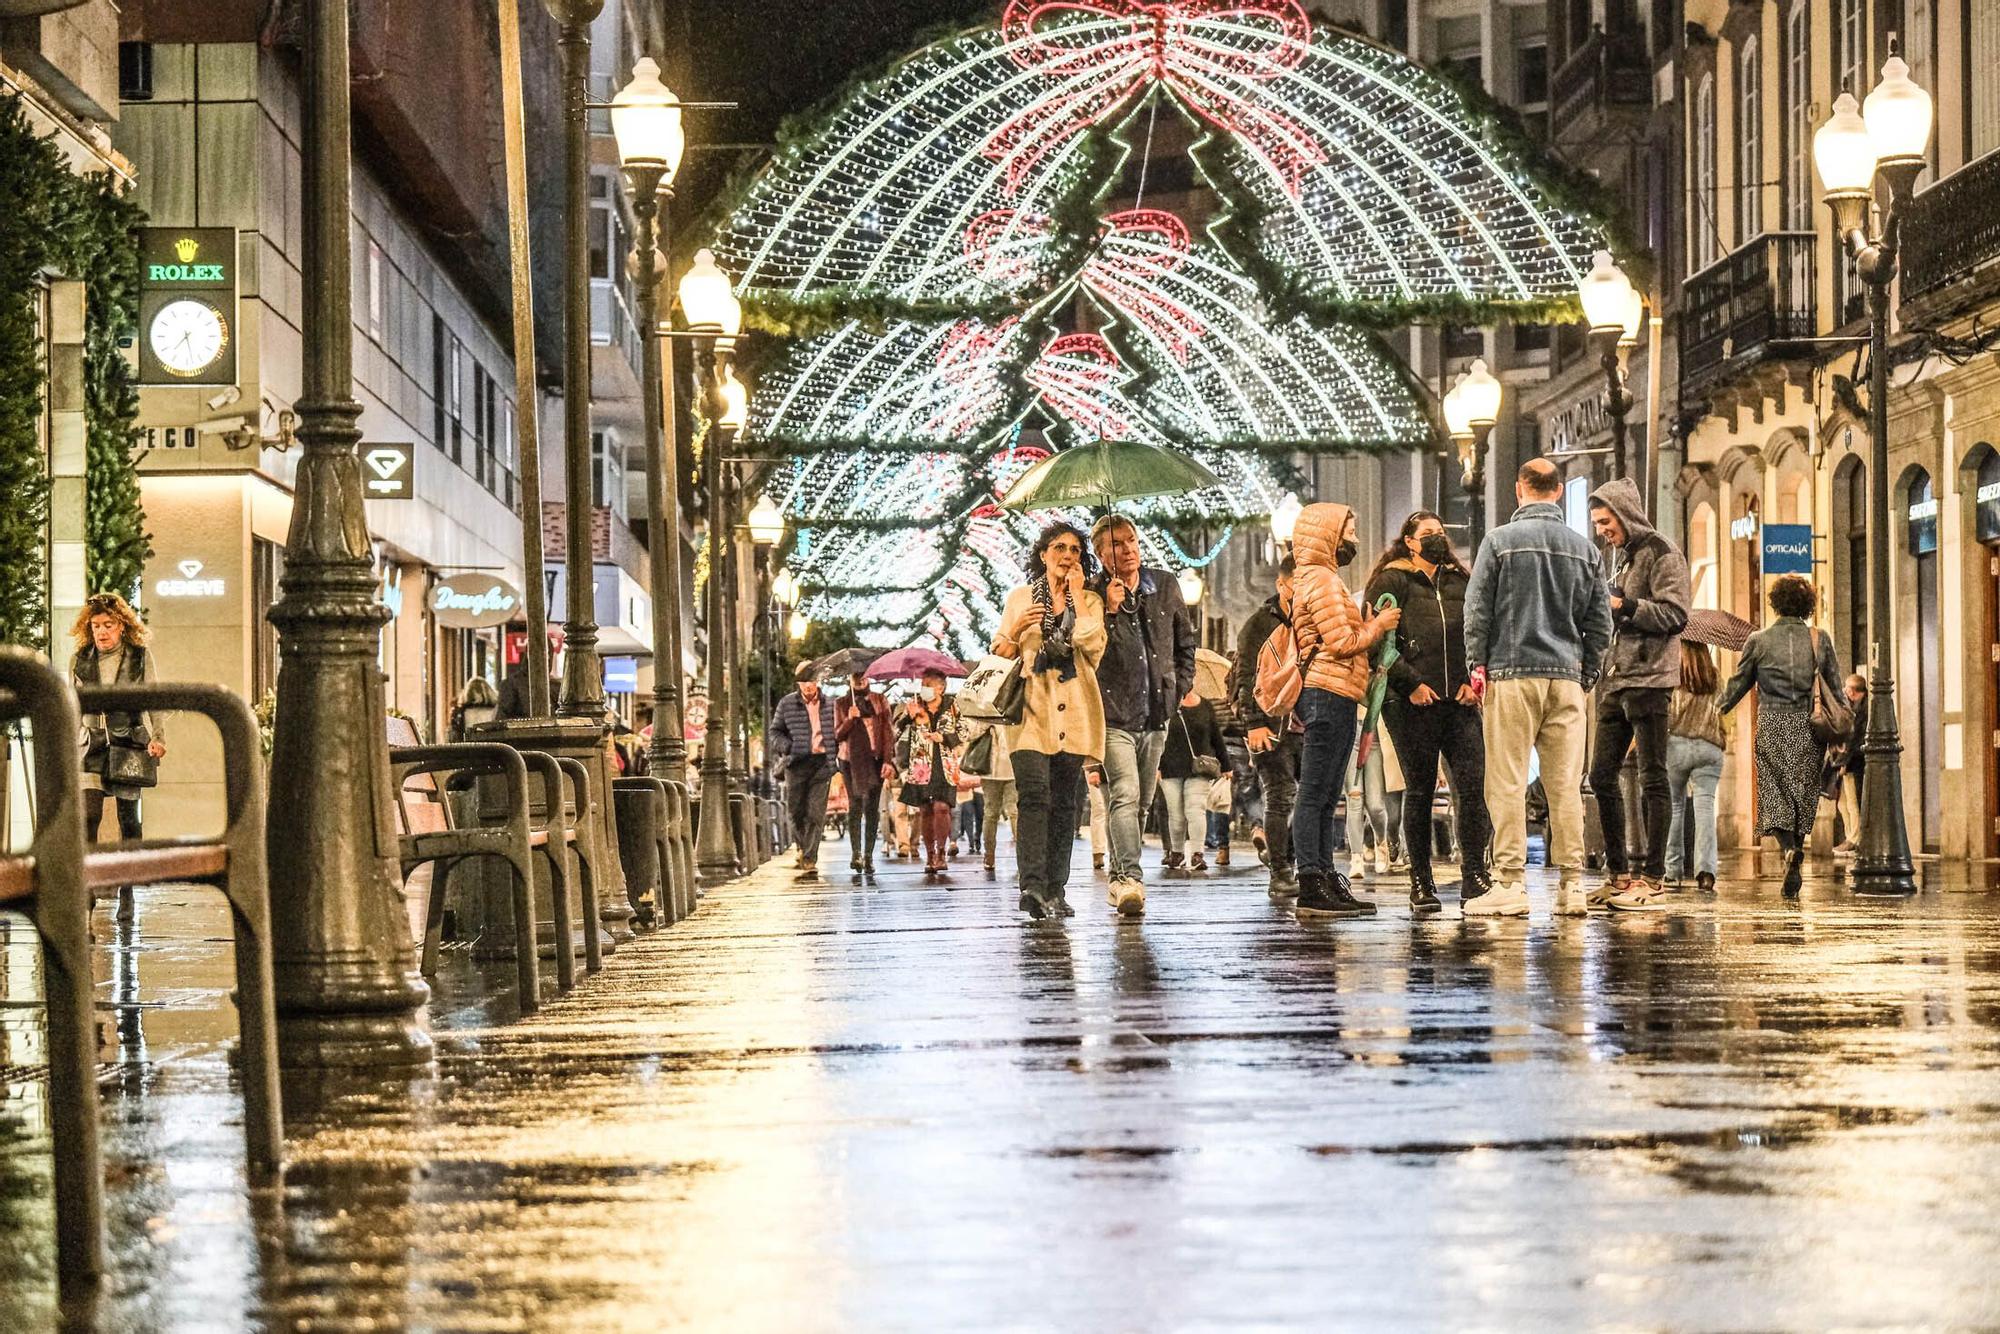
{"type": "Point", "coordinates": [474, 601]}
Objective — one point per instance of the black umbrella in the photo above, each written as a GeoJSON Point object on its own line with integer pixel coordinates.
{"type": "Point", "coordinates": [844, 662]}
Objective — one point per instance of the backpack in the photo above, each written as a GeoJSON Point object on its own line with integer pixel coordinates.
{"type": "Point", "coordinates": [1280, 674]}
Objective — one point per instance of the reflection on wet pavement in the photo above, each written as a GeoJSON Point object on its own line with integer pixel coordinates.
{"type": "Point", "coordinates": [896, 1107]}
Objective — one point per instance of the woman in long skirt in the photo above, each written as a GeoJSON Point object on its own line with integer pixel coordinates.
{"type": "Point", "coordinates": [1781, 661]}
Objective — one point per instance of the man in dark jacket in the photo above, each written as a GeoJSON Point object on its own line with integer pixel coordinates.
{"type": "Point", "coordinates": [1649, 609]}
{"type": "Point", "coordinates": [803, 737]}
{"type": "Point", "coordinates": [1273, 742]}
{"type": "Point", "coordinates": [1148, 664]}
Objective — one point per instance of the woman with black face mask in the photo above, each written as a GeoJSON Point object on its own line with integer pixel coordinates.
{"type": "Point", "coordinates": [1432, 706]}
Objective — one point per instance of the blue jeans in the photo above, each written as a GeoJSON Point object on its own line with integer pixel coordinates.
{"type": "Point", "coordinates": [1330, 721]}
{"type": "Point", "coordinates": [1690, 761]}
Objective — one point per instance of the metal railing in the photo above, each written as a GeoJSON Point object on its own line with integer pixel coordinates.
{"type": "Point", "coordinates": [1604, 70]}
{"type": "Point", "coordinates": [1952, 228]}
{"type": "Point", "coordinates": [1762, 293]}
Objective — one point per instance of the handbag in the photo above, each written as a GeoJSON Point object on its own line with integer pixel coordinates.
{"type": "Point", "coordinates": [994, 691]}
{"type": "Point", "coordinates": [127, 762]}
{"type": "Point", "coordinates": [1205, 766]}
{"type": "Point", "coordinates": [1832, 716]}
{"type": "Point", "coordinates": [978, 757]}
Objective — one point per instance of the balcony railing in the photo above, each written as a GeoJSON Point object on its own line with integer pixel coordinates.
{"type": "Point", "coordinates": [1733, 310]}
{"type": "Point", "coordinates": [1952, 229]}
{"type": "Point", "coordinates": [1603, 71]}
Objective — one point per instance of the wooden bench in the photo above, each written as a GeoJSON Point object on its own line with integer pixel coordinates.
{"type": "Point", "coordinates": [53, 883]}
{"type": "Point", "coordinates": [429, 831]}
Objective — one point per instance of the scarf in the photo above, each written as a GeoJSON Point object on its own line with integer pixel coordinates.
{"type": "Point", "coordinates": [1057, 653]}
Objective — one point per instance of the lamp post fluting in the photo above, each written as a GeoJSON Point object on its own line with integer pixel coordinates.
{"type": "Point", "coordinates": [714, 316]}
{"type": "Point", "coordinates": [346, 984]}
{"type": "Point", "coordinates": [1852, 150]}
{"type": "Point", "coordinates": [646, 118]}
{"type": "Point", "coordinates": [583, 677]}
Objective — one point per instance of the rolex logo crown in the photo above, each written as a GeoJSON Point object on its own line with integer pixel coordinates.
{"type": "Point", "coordinates": [186, 248]}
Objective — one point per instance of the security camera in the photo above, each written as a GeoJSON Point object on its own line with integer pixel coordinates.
{"type": "Point", "coordinates": [223, 397]}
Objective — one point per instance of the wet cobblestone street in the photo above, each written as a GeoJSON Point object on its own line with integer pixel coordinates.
{"type": "Point", "coordinates": [835, 1106]}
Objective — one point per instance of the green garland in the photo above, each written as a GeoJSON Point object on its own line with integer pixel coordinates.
{"type": "Point", "coordinates": [55, 221]}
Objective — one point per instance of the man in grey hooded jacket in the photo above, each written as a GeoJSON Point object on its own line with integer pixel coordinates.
{"type": "Point", "coordinates": [1649, 609]}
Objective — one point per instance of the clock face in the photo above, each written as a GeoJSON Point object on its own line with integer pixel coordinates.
{"type": "Point", "coordinates": [188, 336]}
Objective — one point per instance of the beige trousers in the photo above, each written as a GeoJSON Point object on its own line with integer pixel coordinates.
{"type": "Point", "coordinates": [1547, 716]}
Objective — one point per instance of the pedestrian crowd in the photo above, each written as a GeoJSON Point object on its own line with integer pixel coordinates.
{"type": "Point", "coordinates": [1496, 677]}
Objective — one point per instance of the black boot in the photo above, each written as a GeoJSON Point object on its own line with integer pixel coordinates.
{"type": "Point", "coordinates": [1423, 893]}
{"type": "Point", "coordinates": [1322, 894]}
{"type": "Point", "coordinates": [1341, 891]}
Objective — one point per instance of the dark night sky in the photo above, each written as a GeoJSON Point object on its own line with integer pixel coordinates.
{"type": "Point", "coordinates": [779, 57]}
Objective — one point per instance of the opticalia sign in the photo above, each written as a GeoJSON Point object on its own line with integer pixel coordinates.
{"type": "Point", "coordinates": [474, 601]}
{"type": "Point", "coordinates": [190, 584]}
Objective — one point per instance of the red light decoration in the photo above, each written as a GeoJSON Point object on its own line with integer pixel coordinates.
{"type": "Point", "coordinates": [1079, 374]}
{"type": "Point", "coordinates": [1198, 48]}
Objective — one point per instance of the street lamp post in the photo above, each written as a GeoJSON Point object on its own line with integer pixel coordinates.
{"type": "Point", "coordinates": [1856, 147]}
{"type": "Point", "coordinates": [1470, 411]}
{"type": "Point", "coordinates": [1612, 306]}
{"type": "Point", "coordinates": [646, 120]}
{"type": "Point", "coordinates": [347, 989]}
{"type": "Point", "coordinates": [715, 317]}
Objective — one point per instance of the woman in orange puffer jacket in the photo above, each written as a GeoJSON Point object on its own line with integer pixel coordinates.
{"type": "Point", "coordinates": [1334, 643]}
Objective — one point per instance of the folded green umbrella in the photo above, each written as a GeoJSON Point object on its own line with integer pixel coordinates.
{"type": "Point", "coordinates": [1378, 685]}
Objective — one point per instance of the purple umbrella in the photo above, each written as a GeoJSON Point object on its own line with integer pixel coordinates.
{"type": "Point", "coordinates": [905, 663]}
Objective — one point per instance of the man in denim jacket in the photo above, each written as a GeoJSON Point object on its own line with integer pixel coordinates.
{"type": "Point", "coordinates": [1537, 624]}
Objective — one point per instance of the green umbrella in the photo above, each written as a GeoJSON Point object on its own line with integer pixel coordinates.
{"type": "Point", "coordinates": [1378, 687]}
{"type": "Point", "coordinates": [1097, 474]}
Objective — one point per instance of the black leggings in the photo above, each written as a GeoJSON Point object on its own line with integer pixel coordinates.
{"type": "Point", "coordinates": [1424, 734]}
{"type": "Point", "coordinates": [93, 816]}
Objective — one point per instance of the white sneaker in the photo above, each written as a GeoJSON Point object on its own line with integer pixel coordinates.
{"type": "Point", "coordinates": [1127, 896]}
{"type": "Point", "coordinates": [1500, 901]}
{"type": "Point", "coordinates": [1640, 895]}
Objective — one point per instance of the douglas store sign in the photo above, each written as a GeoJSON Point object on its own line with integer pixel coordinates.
{"type": "Point", "coordinates": [474, 601]}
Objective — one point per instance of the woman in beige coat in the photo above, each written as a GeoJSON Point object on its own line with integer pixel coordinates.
{"type": "Point", "coordinates": [1056, 627]}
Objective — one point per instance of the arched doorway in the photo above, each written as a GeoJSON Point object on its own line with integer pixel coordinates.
{"type": "Point", "coordinates": [1850, 518]}
{"type": "Point", "coordinates": [1701, 554]}
{"type": "Point", "coordinates": [1919, 656]}
{"type": "Point", "coordinates": [1981, 472]}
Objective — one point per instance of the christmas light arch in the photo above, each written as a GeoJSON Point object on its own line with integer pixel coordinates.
{"type": "Point", "coordinates": [940, 252]}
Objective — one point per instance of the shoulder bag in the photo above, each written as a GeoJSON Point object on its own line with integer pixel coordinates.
{"type": "Point", "coordinates": [994, 691]}
{"type": "Point", "coordinates": [1832, 716]}
{"type": "Point", "coordinates": [1205, 765]}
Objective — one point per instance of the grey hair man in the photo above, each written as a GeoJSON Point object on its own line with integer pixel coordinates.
{"type": "Point", "coordinates": [1148, 664]}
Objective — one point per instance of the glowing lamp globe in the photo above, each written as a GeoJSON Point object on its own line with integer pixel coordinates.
{"type": "Point", "coordinates": [1897, 114]}
{"type": "Point", "coordinates": [646, 122]}
{"type": "Point", "coordinates": [1457, 412]}
{"type": "Point", "coordinates": [1844, 152]}
{"type": "Point", "coordinates": [1285, 518]}
{"type": "Point", "coordinates": [1482, 395]}
{"type": "Point", "coordinates": [706, 299]}
{"type": "Point", "coordinates": [1609, 300]}
{"type": "Point", "coordinates": [1191, 587]}
{"type": "Point", "coordinates": [767, 523]}
{"type": "Point", "coordinates": [785, 588]}
{"type": "Point", "coordinates": [735, 401]}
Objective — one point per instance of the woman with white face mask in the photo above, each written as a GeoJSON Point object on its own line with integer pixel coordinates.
{"type": "Point", "coordinates": [927, 739]}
